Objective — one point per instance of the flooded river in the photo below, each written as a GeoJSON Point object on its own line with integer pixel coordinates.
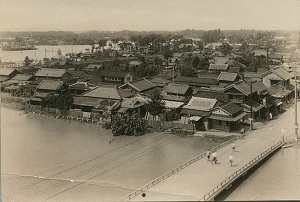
{"type": "Point", "coordinates": [44, 158]}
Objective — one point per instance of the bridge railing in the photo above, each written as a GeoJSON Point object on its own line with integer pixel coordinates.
{"type": "Point", "coordinates": [172, 172]}
{"type": "Point", "coordinates": [210, 195]}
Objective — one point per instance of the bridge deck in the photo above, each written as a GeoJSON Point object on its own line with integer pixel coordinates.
{"type": "Point", "coordinates": [199, 178]}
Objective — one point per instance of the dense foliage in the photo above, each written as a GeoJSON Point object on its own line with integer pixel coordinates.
{"type": "Point", "coordinates": [128, 124]}
{"type": "Point", "coordinates": [156, 105]}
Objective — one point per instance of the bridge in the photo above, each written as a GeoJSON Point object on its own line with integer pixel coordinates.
{"type": "Point", "coordinates": [200, 179]}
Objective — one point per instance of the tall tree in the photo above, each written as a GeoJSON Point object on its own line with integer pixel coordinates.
{"type": "Point", "coordinates": [156, 105]}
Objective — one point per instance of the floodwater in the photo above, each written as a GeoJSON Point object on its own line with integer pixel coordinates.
{"type": "Point", "coordinates": [277, 179]}
{"type": "Point", "coordinates": [44, 158]}
{"type": "Point", "coordinates": [39, 54]}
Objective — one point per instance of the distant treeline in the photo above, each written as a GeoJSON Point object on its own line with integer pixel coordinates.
{"type": "Point", "coordinates": [89, 37]}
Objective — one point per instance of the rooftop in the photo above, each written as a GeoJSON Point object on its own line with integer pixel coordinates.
{"type": "Point", "coordinates": [222, 67]}
{"type": "Point", "coordinates": [47, 72]}
{"type": "Point", "coordinates": [108, 92]}
{"type": "Point", "coordinates": [204, 104]}
{"type": "Point", "coordinates": [50, 85]}
{"type": "Point", "coordinates": [226, 76]}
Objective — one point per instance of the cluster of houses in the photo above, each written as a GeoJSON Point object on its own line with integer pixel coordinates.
{"type": "Point", "coordinates": [223, 100]}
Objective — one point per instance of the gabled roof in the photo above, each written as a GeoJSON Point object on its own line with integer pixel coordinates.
{"type": "Point", "coordinates": [22, 77]}
{"type": "Point", "coordinates": [180, 89]}
{"type": "Point", "coordinates": [196, 80]}
{"type": "Point", "coordinates": [226, 76]}
{"type": "Point", "coordinates": [6, 71]}
{"type": "Point", "coordinates": [259, 87]}
{"type": "Point", "coordinates": [115, 73]}
{"type": "Point", "coordinates": [280, 72]}
{"type": "Point", "coordinates": [203, 104]}
{"type": "Point", "coordinates": [75, 73]}
{"type": "Point", "coordinates": [231, 108]}
{"type": "Point", "coordinates": [47, 72]}
{"type": "Point", "coordinates": [221, 67]}
{"type": "Point", "coordinates": [50, 85]}
{"type": "Point", "coordinates": [140, 85]}
{"type": "Point", "coordinates": [107, 92]}
{"type": "Point", "coordinates": [242, 87]}
{"type": "Point", "coordinates": [220, 96]}
{"type": "Point", "coordinates": [93, 66]}
{"type": "Point", "coordinates": [81, 86]}
{"type": "Point", "coordinates": [221, 60]}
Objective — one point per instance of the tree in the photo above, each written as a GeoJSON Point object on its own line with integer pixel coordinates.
{"type": "Point", "coordinates": [225, 48]}
{"type": "Point", "coordinates": [64, 102]}
{"type": "Point", "coordinates": [188, 71]}
{"type": "Point", "coordinates": [156, 105]}
{"type": "Point", "coordinates": [203, 64]}
{"type": "Point", "coordinates": [213, 36]}
{"type": "Point", "coordinates": [128, 124]}
{"type": "Point", "coordinates": [27, 61]}
{"type": "Point", "coordinates": [195, 62]}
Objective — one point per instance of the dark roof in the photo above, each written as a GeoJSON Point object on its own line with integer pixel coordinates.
{"type": "Point", "coordinates": [197, 80]}
{"type": "Point", "coordinates": [76, 73]}
{"type": "Point", "coordinates": [50, 85]}
{"type": "Point", "coordinates": [86, 101]}
{"type": "Point", "coordinates": [220, 96]}
{"type": "Point", "coordinates": [22, 77]}
{"type": "Point", "coordinates": [259, 87]}
{"type": "Point", "coordinates": [47, 72]}
{"type": "Point", "coordinates": [231, 108]}
{"type": "Point", "coordinates": [108, 92]}
{"type": "Point", "coordinates": [242, 87]}
{"type": "Point", "coordinates": [86, 77]}
{"type": "Point", "coordinates": [226, 76]}
{"type": "Point", "coordinates": [195, 112]}
{"type": "Point", "coordinates": [234, 69]}
{"type": "Point", "coordinates": [221, 67]}
{"type": "Point", "coordinates": [140, 85]}
{"type": "Point", "coordinates": [114, 73]}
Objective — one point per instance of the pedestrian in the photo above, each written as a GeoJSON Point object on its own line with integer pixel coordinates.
{"type": "Point", "coordinates": [233, 147]}
{"type": "Point", "coordinates": [230, 159]}
{"type": "Point", "coordinates": [270, 116]}
{"type": "Point", "coordinates": [242, 132]}
{"type": "Point", "coordinates": [214, 158]}
{"type": "Point", "coordinates": [208, 154]}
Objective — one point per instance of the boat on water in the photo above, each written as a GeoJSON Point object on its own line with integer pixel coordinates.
{"type": "Point", "coordinates": [18, 48]}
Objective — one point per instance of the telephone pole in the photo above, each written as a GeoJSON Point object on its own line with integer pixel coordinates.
{"type": "Point", "coordinates": [296, 121]}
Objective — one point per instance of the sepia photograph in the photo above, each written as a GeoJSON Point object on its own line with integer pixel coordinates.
{"type": "Point", "coordinates": [149, 100]}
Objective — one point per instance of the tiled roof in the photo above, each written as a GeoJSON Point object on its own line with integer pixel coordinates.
{"type": "Point", "coordinates": [180, 89]}
{"type": "Point", "coordinates": [22, 77]}
{"type": "Point", "coordinates": [242, 87]}
{"type": "Point", "coordinates": [196, 80]}
{"type": "Point", "coordinates": [195, 112]}
{"type": "Point", "coordinates": [226, 76]}
{"type": "Point", "coordinates": [93, 66]}
{"type": "Point", "coordinates": [222, 67]}
{"type": "Point", "coordinates": [47, 72]}
{"type": "Point", "coordinates": [280, 72]}
{"type": "Point", "coordinates": [259, 86]}
{"type": "Point", "coordinates": [231, 108]}
{"type": "Point", "coordinates": [132, 103]}
{"type": "Point", "coordinates": [86, 101]}
{"type": "Point", "coordinates": [234, 69]}
{"type": "Point", "coordinates": [141, 85]}
{"type": "Point", "coordinates": [81, 85]}
{"type": "Point", "coordinates": [114, 73]}
{"type": "Point", "coordinates": [221, 60]}
{"type": "Point", "coordinates": [6, 71]}
{"type": "Point", "coordinates": [108, 92]}
{"type": "Point", "coordinates": [204, 104]}
{"type": "Point", "coordinates": [75, 73]}
{"type": "Point", "coordinates": [50, 85]}
{"type": "Point", "coordinates": [252, 75]}
{"type": "Point", "coordinates": [220, 96]}
{"type": "Point", "coordinates": [159, 81]}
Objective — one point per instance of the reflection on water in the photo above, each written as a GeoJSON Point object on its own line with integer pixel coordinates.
{"type": "Point", "coordinates": [276, 179]}
{"type": "Point", "coordinates": [39, 54]}
{"type": "Point", "coordinates": [36, 145]}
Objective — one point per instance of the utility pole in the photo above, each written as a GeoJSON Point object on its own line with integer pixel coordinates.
{"type": "Point", "coordinates": [296, 121]}
{"type": "Point", "coordinates": [251, 108]}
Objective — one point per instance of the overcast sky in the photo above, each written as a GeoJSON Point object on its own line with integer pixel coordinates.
{"type": "Point", "coordinates": [83, 15]}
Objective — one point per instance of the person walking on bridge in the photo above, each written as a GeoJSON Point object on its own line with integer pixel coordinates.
{"type": "Point", "coordinates": [214, 158]}
{"type": "Point", "coordinates": [208, 154]}
{"type": "Point", "coordinates": [230, 159]}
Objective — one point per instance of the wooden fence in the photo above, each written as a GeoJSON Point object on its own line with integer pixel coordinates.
{"type": "Point", "coordinates": [168, 125]}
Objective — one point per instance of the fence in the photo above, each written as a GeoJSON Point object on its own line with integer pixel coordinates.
{"type": "Point", "coordinates": [172, 172]}
{"type": "Point", "coordinates": [227, 182]}
{"type": "Point", "coordinates": [168, 125]}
